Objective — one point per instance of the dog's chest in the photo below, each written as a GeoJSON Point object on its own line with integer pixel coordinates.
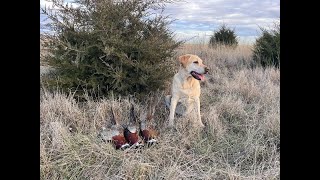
{"type": "Point", "coordinates": [189, 83]}
{"type": "Point", "coordinates": [190, 88]}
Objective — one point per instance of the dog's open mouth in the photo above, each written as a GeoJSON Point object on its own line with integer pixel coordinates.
{"type": "Point", "coordinates": [197, 76]}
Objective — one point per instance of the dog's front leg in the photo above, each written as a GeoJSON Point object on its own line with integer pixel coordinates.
{"type": "Point", "coordinates": [173, 104]}
{"type": "Point", "coordinates": [197, 101]}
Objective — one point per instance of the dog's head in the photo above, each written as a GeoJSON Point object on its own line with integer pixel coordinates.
{"type": "Point", "coordinates": [193, 64]}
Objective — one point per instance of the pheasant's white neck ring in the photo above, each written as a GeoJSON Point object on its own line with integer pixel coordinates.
{"type": "Point", "coordinates": [132, 129]}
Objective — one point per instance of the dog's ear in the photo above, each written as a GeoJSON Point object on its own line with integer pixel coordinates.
{"type": "Point", "coordinates": [184, 59]}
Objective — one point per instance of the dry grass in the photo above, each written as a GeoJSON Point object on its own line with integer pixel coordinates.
{"type": "Point", "coordinates": [240, 107]}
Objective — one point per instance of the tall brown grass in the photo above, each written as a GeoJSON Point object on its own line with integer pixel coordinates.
{"type": "Point", "coordinates": [241, 140]}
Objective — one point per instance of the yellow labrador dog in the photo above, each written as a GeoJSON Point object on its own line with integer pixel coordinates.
{"type": "Point", "coordinates": [186, 84]}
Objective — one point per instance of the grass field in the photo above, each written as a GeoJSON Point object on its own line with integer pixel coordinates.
{"type": "Point", "coordinates": [240, 107]}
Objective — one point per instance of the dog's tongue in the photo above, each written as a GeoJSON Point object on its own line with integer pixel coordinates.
{"type": "Point", "coordinates": [201, 76]}
{"type": "Point", "coordinates": [197, 76]}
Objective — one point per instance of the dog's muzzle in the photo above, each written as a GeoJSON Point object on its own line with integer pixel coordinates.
{"type": "Point", "coordinates": [199, 76]}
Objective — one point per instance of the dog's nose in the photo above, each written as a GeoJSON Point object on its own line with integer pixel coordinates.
{"type": "Point", "coordinates": [206, 69]}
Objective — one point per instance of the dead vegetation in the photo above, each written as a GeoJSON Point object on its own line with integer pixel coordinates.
{"type": "Point", "coordinates": [241, 140]}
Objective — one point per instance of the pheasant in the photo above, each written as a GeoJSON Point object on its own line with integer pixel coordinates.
{"type": "Point", "coordinates": [147, 126]}
{"type": "Point", "coordinates": [114, 133]}
{"type": "Point", "coordinates": [130, 131]}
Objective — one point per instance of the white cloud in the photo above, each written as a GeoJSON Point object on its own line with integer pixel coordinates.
{"type": "Point", "coordinates": [202, 17]}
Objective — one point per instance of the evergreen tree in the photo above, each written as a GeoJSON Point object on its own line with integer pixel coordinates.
{"type": "Point", "coordinates": [101, 46]}
{"type": "Point", "coordinates": [223, 36]}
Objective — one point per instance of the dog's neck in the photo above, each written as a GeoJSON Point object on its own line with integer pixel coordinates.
{"type": "Point", "coordinates": [184, 74]}
{"type": "Point", "coordinates": [186, 77]}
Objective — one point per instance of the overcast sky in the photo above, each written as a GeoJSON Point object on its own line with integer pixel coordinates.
{"type": "Point", "coordinates": [197, 19]}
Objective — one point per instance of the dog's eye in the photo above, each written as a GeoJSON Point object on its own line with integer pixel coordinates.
{"type": "Point", "coordinates": [196, 62]}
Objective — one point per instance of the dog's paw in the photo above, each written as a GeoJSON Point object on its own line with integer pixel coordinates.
{"type": "Point", "coordinates": [199, 125]}
{"type": "Point", "coordinates": [170, 125]}
{"type": "Point", "coordinates": [172, 129]}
